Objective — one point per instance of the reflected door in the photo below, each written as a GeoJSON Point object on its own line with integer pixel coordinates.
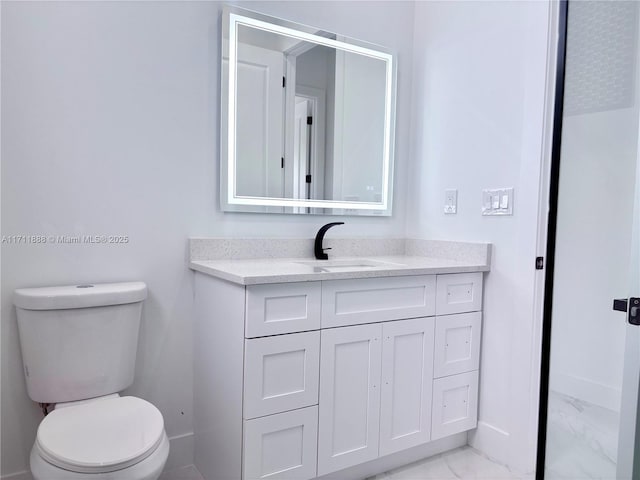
{"type": "Point", "coordinates": [594, 363]}
{"type": "Point", "coordinates": [259, 122]}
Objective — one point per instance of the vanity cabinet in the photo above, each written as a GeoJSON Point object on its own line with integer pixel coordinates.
{"type": "Point", "coordinates": [332, 374]}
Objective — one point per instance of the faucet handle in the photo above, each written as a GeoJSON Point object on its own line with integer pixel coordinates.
{"type": "Point", "coordinates": [326, 248]}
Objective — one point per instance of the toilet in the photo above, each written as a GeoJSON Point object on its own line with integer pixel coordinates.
{"type": "Point", "coordinates": [79, 351]}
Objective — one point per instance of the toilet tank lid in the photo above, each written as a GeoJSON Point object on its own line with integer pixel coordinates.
{"type": "Point", "coordinates": [79, 296]}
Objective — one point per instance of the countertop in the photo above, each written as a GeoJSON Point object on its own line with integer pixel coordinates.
{"type": "Point", "coordinates": [283, 270]}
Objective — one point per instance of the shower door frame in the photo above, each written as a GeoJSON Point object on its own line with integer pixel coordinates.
{"type": "Point", "coordinates": [629, 463]}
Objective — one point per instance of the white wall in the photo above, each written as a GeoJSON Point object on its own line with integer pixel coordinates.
{"type": "Point", "coordinates": [479, 96]}
{"type": "Point", "coordinates": [110, 125]}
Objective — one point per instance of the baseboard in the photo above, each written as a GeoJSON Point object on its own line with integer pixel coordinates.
{"type": "Point", "coordinates": [399, 459]}
{"type": "Point", "coordinates": [587, 390]}
{"type": "Point", "coordinates": [491, 441]}
{"type": "Point", "coordinates": [26, 475]}
{"type": "Point", "coordinates": [180, 451]}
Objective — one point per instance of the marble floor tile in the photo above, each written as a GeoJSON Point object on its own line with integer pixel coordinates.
{"type": "Point", "coordinates": [582, 440]}
{"type": "Point", "coordinates": [463, 463]}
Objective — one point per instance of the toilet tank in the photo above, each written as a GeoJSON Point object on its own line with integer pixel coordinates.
{"type": "Point", "coordinates": [79, 341]}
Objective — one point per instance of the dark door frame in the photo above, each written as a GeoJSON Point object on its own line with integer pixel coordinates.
{"type": "Point", "coordinates": [554, 178]}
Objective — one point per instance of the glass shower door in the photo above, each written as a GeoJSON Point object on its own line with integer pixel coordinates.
{"type": "Point", "coordinates": [629, 436]}
{"type": "Point", "coordinates": [594, 369]}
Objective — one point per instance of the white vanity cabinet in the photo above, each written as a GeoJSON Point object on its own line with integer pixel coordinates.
{"type": "Point", "coordinates": [300, 380]}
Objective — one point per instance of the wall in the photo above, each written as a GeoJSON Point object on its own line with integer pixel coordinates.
{"type": "Point", "coordinates": [479, 97]}
{"type": "Point", "coordinates": [110, 126]}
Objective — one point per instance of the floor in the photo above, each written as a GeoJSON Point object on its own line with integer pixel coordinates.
{"type": "Point", "coordinates": [582, 440]}
{"type": "Point", "coordinates": [582, 445]}
{"type": "Point", "coordinates": [462, 463]}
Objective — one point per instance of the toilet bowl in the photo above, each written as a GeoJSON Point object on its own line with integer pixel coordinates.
{"type": "Point", "coordinates": [105, 438]}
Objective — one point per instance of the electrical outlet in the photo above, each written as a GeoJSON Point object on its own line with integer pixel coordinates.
{"type": "Point", "coordinates": [498, 201]}
{"type": "Point", "coordinates": [451, 201]}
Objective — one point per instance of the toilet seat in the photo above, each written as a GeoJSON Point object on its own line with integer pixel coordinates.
{"type": "Point", "coordinates": [100, 436]}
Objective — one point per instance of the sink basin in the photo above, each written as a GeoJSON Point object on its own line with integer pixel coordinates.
{"type": "Point", "coordinates": [346, 265]}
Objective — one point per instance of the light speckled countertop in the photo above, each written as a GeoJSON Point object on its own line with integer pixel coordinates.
{"type": "Point", "coordinates": [283, 270]}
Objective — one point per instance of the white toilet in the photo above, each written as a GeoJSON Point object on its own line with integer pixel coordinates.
{"type": "Point", "coordinates": [79, 349]}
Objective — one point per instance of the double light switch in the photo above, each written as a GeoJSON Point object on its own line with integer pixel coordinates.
{"type": "Point", "coordinates": [497, 201]}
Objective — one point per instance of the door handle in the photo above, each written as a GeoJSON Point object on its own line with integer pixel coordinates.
{"type": "Point", "coordinates": [630, 306]}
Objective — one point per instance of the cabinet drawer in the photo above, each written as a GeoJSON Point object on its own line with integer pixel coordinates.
{"type": "Point", "coordinates": [282, 308]}
{"type": "Point", "coordinates": [455, 404]}
{"type": "Point", "coordinates": [351, 302]}
{"type": "Point", "coordinates": [281, 373]}
{"type": "Point", "coordinates": [459, 293]}
{"type": "Point", "coordinates": [281, 446]}
{"type": "Point", "coordinates": [457, 344]}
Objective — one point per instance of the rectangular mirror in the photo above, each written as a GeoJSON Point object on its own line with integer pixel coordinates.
{"type": "Point", "coordinates": [307, 119]}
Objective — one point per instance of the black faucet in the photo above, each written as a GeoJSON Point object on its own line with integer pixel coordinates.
{"type": "Point", "coordinates": [320, 255]}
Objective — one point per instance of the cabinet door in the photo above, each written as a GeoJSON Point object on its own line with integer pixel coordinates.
{"type": "Point", "coordinates": [349, 415]}
{"type": "Point", "coordinates": [281, 446]}
{"type": "Point", "coordinates": [407, 378]}
{"type": "Point", "coordinates": [281, 373]}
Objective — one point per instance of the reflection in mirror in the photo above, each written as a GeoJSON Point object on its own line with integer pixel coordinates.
{"type": "Point", "coordinates": [309, 121]}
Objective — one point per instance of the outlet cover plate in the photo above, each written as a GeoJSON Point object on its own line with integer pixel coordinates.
{"type": "Point", "coordinates": [451, 201]}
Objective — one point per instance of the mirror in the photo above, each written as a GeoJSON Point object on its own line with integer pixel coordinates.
{"type": "Point", "coordinates": [307, 119]}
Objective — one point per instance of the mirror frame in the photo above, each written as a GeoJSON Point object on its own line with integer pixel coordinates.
{"type": "Point", "coordinates": [232, 18]}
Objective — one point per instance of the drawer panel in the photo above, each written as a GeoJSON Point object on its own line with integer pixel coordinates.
{"type": "Point", "coordinates": [281, 446]}
{"type": "Point", "coordinates": [282, 308]}
{"type": "Point", "coordinates": [351, 302]}
{"type": "Point", "coordinates": [457, 344]}
{"type": "Point", "coordinates": [281, 373]}
{"type": "Point", "coordinates": [455, 404]}
{"type": "Point", "coordinates": [459, 293]}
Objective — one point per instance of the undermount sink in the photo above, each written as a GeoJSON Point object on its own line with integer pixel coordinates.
{"type": "Point", "coordinates": [344, 265]}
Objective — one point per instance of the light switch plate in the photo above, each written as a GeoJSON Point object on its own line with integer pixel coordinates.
{"type": "Point", "coordinates": [451, 201]}
{"type": "Point", "coordinates": [497, 201]}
